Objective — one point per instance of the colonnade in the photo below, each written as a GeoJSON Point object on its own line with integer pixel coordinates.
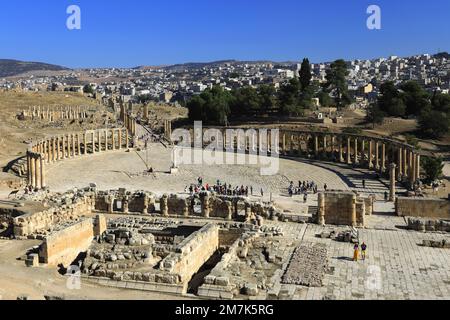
{"type": "Point", "coordinates": [373, 153]}
{"type": "Point", "coordinates": [54, 113]}
{"type": "Point", "coordinates": [128, 119]}
{"type": "Point", "coordinates": [71, 145]}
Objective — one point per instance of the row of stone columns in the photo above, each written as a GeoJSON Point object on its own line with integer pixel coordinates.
{"type": "Point", "coordinates": [368, 152]}
{"type": "Point", "coordinates": [70, 146]}
{"type": "Point", "coordinates": [36, 170]}
{"type": "Point", "coordinates": [57, 113]}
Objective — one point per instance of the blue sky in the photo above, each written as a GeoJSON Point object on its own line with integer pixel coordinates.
{"type": "Point", "coordinates": [154, 32]}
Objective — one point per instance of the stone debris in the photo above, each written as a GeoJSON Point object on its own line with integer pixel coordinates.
{"type": "Point", "coordinates": [436, 243]}
{"type": "Point", "coordinates": [428, 225]}
{"type": "Point", "coordinates": [307, 266]}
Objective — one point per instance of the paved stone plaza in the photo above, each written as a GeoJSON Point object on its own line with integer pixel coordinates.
{"type": "Point", "coordinates": [406, 269]}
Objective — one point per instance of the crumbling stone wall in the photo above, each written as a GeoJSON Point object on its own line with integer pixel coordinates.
{"type": "Point", "coordinates": [423, 207]}
{"type": "Point", "coordinates": [341, 208]}
{"type": "Point", "coordinates": [32, 223]}
{"type": "Point", "coordinates": [137, 202]}
{"type": "Point", "coordinates": [192, 253]}
{"type": "Point", "coordinates": [64, 245]}
{"type": "Point", "coordinates": [179, 206]}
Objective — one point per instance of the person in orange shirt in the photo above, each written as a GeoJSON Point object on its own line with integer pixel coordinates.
{"type": "Point", "coordinates": [355, 252]}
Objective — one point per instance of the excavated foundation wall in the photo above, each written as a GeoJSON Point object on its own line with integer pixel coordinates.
{"type": "Point", "coordinates": [63, 246]}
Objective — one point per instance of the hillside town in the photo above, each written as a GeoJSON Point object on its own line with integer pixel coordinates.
{"type": "Point", "coordinates": [176, 84]}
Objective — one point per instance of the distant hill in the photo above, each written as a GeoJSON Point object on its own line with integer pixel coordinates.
{"type": "Point", "coordinates": [9, 68]}
{"type": "Point", "coordinates": [445, 55]}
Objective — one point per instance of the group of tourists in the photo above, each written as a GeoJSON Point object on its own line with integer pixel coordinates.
{"type": "Point", "coordinates": [303, 188]}
{"type": "Point", "coordinates": [221, 188]}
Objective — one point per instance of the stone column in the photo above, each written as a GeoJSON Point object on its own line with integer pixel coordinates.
{"type": "Point", "coordinates": [120, 138]}
{"type": "Point", "coordinates": [349, 159]}
{"type": "Point", "coordinates": [363, 151]}
{"type": "Point", "coordinates": [411, 167]}
{"type": "Point", "coordinates": [69, 146]}
{"type": "Point", "coordinates": [106, 140]}
{"type": "Point", "coordinates": [37, 172]}
{"type": "Point", "coordinates": [79, 144]}
{"type": "Point", "coordinates": [85, 143]}
{"type": "Point", "coordinates": [316, 146]}
{"type": "Point", "coordinates": [353, 211]}
{"type": "Point", "coordinates": [63, 147]}
{"type": "Point", "coordinates": [356, 151]}
{"type": "Point", "coordinates": [400, 164]}
{"type": "Point", "coordinates": [54, 149]}
{"type": "Point", "coordinates": [29, 169]}
{"type": "Point", "coordinates": [93, 142]}
{"type": "Point", "coordinates": [127, 139]}
{"type": "Point", "coordinates": [99, 138]}
{"type": "Point", "coordinates": [205, 206]}
{"type": "Point", "coordinates": [417, 163]}
{"type": "Point", "coordinates": [284, 143]}
{"type": "Point", "coordinates": [341, 153]}
{"type": "Point", "coordinates": [405, 165]}
{"type": "Point", "coordinates": [392, 182]}
{"type": "Point", "coordinates": [73, 145]}
{"type": "Point", "coordinates": [383, 157]}
{"type": "Point", "coordinates": [321, 209]}
{"type": "Point", "coordinates": [43, 177]}
{"type": "Point", "coordinates": [58, 148]}
{"type": "Point", "coordinates": [324, 151]}
{"type": "Point", "coordinates": [163, 205]}
{"type": "Point", "coordinates": [370, 154]}
{"type": "Point", "coordinates": [113, 140]}
{"type": "Point", "coordinates": [377, 155]}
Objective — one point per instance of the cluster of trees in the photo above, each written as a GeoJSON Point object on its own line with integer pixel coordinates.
{"type": "Point", "coordinates": [217, 105]}
{"type": "Point", "coordinates": [411, 100]}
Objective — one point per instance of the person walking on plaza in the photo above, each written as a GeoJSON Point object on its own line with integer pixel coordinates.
{"type": "Point", "coordinates": [364, 183]}
{"type": "Point", "coordinates": [355, 252]}
{"type": "Point", "coordinates": [363, 251]}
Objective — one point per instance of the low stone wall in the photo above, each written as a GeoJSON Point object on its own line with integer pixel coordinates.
{"type": "Point", "coordinates": [192, 253]}
{"type": "Point", "coordinates": [423, 207]}
{"type": "Point", "coordinates": [32, 223]}
{"type": "Point", "coordinates": [63, 246]}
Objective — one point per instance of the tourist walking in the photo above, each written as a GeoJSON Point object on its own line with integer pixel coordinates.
{"type": "Point", "coordinates": [355, 252]}
{"type": "Point", "coordinates": [363, 251]}
{"type": "Point", "coordinates": [364, 183]}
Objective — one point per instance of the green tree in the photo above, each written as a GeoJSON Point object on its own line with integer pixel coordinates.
{"type": "Point", "coordinates": [267, 94]}
{"type": "Point", "coordinates": [433, 168]}
{"type": "Point", "coordinates": [337, 83]}
{"type": "Point", "coordinates": [325, 99]}
{"type": "Point", "coordinates": [441, 102]}
{"type": "Point", "coordinates": [375, 115]}
{"type": "Point", "coordinates": [390, 100]}
{"type": "Point", "coordinates": [289, 98]}
{"type": "Point", "coordinates": [246, 101]}
{"type": "Point", "coordinates": [415, 98]}
{"type": "Point", "coordinates": [434, 124]}
{"type": "Point", "coordinates": [305, 74]}
{"type": "Point", "coordinates": [212, 106]}
{"type": "Point", "coordinates": [88, 89]}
